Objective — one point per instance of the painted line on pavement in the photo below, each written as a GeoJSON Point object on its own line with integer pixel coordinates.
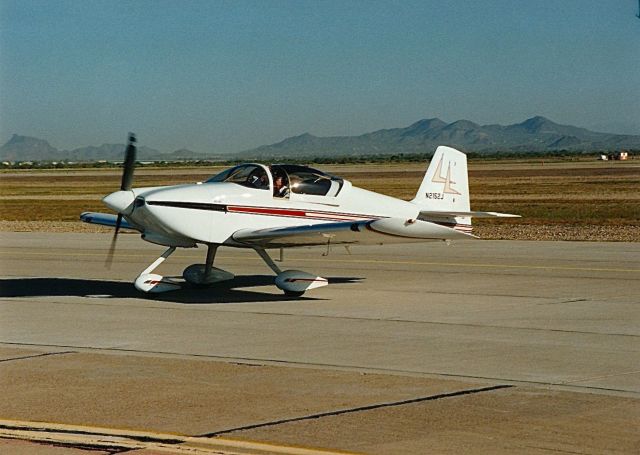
{"type": "Point", "coordinates": [359, 261]}
{"type": "Point", "coordinates": [119, 439]}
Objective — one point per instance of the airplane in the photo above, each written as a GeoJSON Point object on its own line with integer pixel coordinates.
{"type": "Point", "coordinates": [280, 206]}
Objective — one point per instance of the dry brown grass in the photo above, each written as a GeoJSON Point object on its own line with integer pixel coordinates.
{"type": "Point", "coordinates": [558, 193]}
{"type": "Point", "coordinates": [564, 193]}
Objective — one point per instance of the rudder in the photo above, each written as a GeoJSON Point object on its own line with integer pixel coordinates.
{"type": "Point", "coordinates": [445, 186]}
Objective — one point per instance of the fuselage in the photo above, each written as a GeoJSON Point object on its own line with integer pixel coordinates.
{"type": "Point", "coordinates": [210, 212]}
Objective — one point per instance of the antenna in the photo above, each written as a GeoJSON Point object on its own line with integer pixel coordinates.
{"type": "Point", "coordinates": [638, 15]}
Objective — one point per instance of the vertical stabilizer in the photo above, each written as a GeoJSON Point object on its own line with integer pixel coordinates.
{"type": "Point", "coordinates": [445, 186]}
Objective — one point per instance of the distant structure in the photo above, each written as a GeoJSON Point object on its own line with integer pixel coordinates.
{"type": "Point", "coordinates": [638, 15]}
{"type": "Point", "coordinates": [618, 156]}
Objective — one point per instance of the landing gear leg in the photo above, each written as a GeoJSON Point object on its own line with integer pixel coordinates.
{"type": "Point", "coordinates": [211, 255]}
{"type": "Point", "coordinates": [206, 274]}
{"type": "Point", "coordinates": [152, 282]}
{"type": "Point", "coordinates": [293, 283]}
{"type": "Point", "coordinates": [267, 259]}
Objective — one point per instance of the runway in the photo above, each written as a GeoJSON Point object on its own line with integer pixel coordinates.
{"type": "Point", "coordinates": [546, 333]}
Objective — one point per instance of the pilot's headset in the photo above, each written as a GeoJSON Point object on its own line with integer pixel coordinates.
{"type": "Point", "coordinates": [255, 178]}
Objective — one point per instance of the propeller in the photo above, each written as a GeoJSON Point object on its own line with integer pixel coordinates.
{"type": "Point", "coordinates": [125, 185]}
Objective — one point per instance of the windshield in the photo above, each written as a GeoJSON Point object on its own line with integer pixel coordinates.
{"type": "Point", "coordinates": [249, 175]}
{"type": "Point", "coordinates": [287, 178]}
{"type": "Point", "coordinates": [306, 180]}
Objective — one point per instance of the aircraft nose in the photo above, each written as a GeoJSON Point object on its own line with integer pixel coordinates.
{"type": "Point", "coordinates": [120, 201]}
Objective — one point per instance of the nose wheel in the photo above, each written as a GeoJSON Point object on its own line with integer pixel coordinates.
{"type": "Point", "coordinates": [206, 274]}
{"type": "Point", "coordinates": [199, 275]}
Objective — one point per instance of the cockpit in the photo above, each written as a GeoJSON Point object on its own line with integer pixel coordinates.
{"type": "Point", "coordinates": [282, 179]}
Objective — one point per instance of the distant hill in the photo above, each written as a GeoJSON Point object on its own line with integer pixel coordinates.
{"type": "Point", "coordinates": [537, 134]}
{"type": "Point", "coordinates": [25, 148]}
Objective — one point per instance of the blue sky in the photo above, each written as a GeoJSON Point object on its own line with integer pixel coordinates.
{"type": "Point", "coordinates": [216, 76]}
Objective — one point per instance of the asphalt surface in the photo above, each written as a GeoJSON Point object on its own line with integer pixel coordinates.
{"type": "Point", "coordinates": [488, 345]}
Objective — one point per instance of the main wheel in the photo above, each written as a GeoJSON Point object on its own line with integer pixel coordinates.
{"type": "Point", "coordinates": [194, 274]}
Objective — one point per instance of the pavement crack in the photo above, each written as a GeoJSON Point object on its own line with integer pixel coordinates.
{"type": "Point", "coordinates": [358, 409]}
{"type": "Point", "coordinates": [560, 302]}
{"type": "Point", "coordinates": [45, 354]}
{"type": "Point", "coordinates": [551, 449]}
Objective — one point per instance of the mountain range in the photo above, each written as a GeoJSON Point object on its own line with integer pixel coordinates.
{"type": "Point", "coordinates": [25, 148]}
{"type": "Point", "coordinates": [537, 134]}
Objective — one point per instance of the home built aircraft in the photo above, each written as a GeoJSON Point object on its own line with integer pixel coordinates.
{"type": "Point", "coordinates": [280, 206]}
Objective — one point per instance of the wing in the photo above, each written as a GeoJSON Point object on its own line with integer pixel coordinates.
{"type": "Point", "coordinates": [105, 219]}
{"type": "Point", "coordinates": [387, 230]}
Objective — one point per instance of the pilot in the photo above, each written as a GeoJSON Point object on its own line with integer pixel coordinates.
{"type": "Point", "coordinates": [259, 179]}
{"type": "Point", "coordinates": [280, 188]}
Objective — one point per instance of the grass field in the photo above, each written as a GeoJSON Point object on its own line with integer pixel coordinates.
{"type": "Point", "coordinates": [579, 194]}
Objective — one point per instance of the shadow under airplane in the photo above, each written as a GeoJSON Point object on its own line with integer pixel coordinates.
{"type": "Point", "coordinates": [226, 292]}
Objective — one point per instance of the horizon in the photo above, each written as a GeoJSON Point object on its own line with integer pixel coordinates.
{"type": "Point", "coordinates": [186, 146]}
{"type": "Point", "coordinates": [223, 77]}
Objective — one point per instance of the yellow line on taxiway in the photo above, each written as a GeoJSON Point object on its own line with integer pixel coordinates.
{"type": "Point", "coordinates": [172, 443]}
{"type": "Point", "coordinates": [358, 261]}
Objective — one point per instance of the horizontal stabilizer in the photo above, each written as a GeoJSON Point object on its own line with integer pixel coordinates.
{"type": "Point", "coordinates": [104, 219]}
{"type": "Point", "coordinates": [444, 193]}
{"type": "Point", "coordinates": [437, 214]}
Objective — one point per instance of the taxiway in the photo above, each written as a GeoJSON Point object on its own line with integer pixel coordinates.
{"type": "Point", "coordinates": [500, 346]}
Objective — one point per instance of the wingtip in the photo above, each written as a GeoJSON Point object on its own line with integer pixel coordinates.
{"type": "Point", "coordinates": [506, 215]}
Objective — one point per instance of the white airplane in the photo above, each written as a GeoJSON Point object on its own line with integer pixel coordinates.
{"type": "Point", "coordinates": [280, 206]}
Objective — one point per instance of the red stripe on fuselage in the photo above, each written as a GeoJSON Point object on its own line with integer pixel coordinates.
{"type": "Point", "coordinates": [267, 211]}
{"type": "Point", "coordinates": [297, 213]}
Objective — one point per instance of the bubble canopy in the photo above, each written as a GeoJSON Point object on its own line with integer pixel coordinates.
{"type": "Point", "coordinates": [282, 179]}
